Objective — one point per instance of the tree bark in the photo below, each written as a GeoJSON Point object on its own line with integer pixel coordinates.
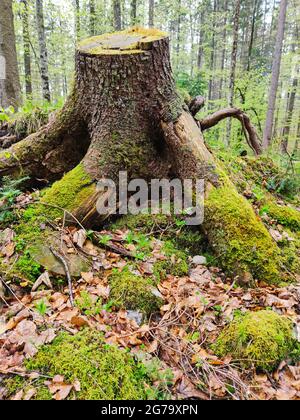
{"type": "Point", "coordinates": [10, 89]}
{"type": "Point", "coordinates": [289, 115]}
{"type": "Point", "coordinates": [43, 50]}
{"type": "Point", "coordinates": [77, 19]}
{"type": "Point", "coordinates": [151, 14]}
{"type": "Point", "coordinates": [275, 76]}
{"type": "Point", "coordinates": [133, 12]}
{"type": "Point", "coordinates": [117, 15]}
{"type": "Point", "coordinates": [26, 46]}
{"type": "Point", "coordinates": [92, 18]}
{"type": "Point", "coordinates": [233, 64]}
{"type": "Point", "coordinates": [125, 115]}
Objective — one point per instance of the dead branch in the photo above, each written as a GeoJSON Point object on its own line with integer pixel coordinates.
{"type": "Point", "coordinates": [61, 259]}
{"type": "Point", "coordinates": [196, 104]}
{"type": "Point", "coordinates": [250, 132]}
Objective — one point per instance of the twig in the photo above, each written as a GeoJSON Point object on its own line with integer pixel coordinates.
{"type": "Point", "coordinates": [67, 271]}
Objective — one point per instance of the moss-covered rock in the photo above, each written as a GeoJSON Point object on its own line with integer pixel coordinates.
{"type": "Point", "coordinates": [238, 237]}
{"type": "Point", "coordinates": [104, 372]}
{"type": "Point", "coordinates": [134, 292]}
{"type": "Point", "coordinates": [261, 338]}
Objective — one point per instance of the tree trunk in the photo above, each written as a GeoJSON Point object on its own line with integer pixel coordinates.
{"type": "Point", "coordinates": [43, 50]}
{"type": "Point", "coordinates": [289, 115]}
{"type": "Point", "coordinates": [275, 76]}
{"type": "Point", "coordinates": [233, 64]}
{"type": "Point", "coordinates": [92, 18]}
{"type": "Point", "coordinates": [133, 12]}
{"type": "Point", "coordinates": [252, 34]}
{"type": "Point", "coordinates": [125, 115]}
{"type": "Point", "coordinates": [27, 56]}
{"type": "Point", "coordinates": [10, 89]}
{"type": "Point", "coordinates": [77, 19]}
{"type": "Point", "coordinates": [117, 15]}
{"type": "Point", "coordinates": [151, 13]}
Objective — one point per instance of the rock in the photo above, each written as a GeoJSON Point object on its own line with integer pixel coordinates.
{"type": "Point", "coordinates": [136, 316]}
{"type": "Point", "coordinates": [199, 260]}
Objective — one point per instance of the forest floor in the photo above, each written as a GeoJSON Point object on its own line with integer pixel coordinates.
{"type": "Point", "coordinates": [164, 304]}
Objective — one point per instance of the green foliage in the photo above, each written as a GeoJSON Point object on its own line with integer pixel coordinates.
{"type": "Point", "coordinates": [261, 338]}
{"type": "Point", "coordinates": [194, 85]}
{"type": "Point", "coordinates": [134, 292]}
{"type": "Point", "coordinates": [88, 305]}
{"type": "Point", "coordinates": [41, 307]}
{"type": "Point", "coordinates": [6, 114]}
{"type": "Point", "coordinates": [9, 191]}
{"type": "Point", "coordinates": [104, 371]}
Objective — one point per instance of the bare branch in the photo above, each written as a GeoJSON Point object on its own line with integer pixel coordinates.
{"type": "Point", "coordinates": [251, 135]}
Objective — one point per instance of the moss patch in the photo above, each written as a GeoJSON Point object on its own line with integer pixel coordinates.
{"type": "Point", "coordinates": [69, 192]}
{"type": "Point", "coordinates": [238, 238]}
{"type": "Point", "coordinates": [285, 215]}
{"type": "Point", "coordinates": [133, 292]}
{"type": "Point", "coordinates": [261, 338]}
{"type": "Point", "coordinates": [176, 264]}
{"type": "Point", "coordinates": [104, 372]}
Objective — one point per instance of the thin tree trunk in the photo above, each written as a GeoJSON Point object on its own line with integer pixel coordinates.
{"type": "Point", "coordinates": [200, 56]}
{"type": "Point", "coordinates": [151, 13]}
{"type": "Point", "coordinates": [92, 17]}
{"type": "Point", "coordinates": [275, 76]}
{"type": "Point", "coordinates": [117, 15]}
{"type": "Point", "coordinates": [43, 50]}
{"type": "Point", "coordinates": [224, 40]}
{"type": "Point", "coordinates": [77, 19]}
{"type": "Point", "coordinates": [289, 115]}
{"type": "Point", "coordinates": [133, 12]}
{"type": "Point", "coordinates": [233, 64]}
{"type": "Point", "coordinates": [252, 34]}
{"type": "Point", "coordinates": [26, 46]}
{"type": "Point", "coordinates": [212, 55]}
{"type": "Point", "coordinates": [10, 89]}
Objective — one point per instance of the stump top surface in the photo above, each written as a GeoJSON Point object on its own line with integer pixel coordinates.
{"type": "Point", "coordinates": [130, 41]}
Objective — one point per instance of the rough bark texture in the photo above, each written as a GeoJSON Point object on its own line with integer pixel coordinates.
{"type": "Point", "coordinates": [233, 63]}
{"type": "Point", "coordinates": [125, 115]}
{"type": "Point", "coordinates": [10, 90]}
{"type": "Point", "coordinates": [26, 45]}
{"type": "Point", "coordinates": [275, 75]}
{"type": "Point", "coordinates": [43, 50]}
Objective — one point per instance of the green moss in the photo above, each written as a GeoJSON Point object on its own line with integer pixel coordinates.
{"type": "Point", "coordinates": [104, 372]}
{"type": "Point", "coordinates": [237, 236]}
{"type": "Point", "coordinates": [176, 264]}
{"type": "Point", "coordinates": [261, 338]}
{"type": "Point", "coordinates": [106, 44]}
{"type": "Point", "coordinates": [69, 192]}
{"type": "Point", "coordinates": [27, 267]}
{"type": "Point", "coordinates": [285, 215]}
{"type": "Point", "coordinates": [133, 292]}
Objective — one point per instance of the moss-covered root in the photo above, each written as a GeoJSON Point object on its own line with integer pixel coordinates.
{"type": "Point", "coordinates": [104, 372]}
{"type": "Point", "coordinates": [238, 238]}
{"type": "Point", "coordinates": [262, 339]}
{"type": "Point", "coordinates": [133, 292]}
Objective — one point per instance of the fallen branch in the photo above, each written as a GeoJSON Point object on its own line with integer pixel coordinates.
{"type": "Point", "coordinates": [251, 135]}
{"type": "Point", "coordinates": [67, 271]}
{"type": "Point", "coordinates": [112, 247]}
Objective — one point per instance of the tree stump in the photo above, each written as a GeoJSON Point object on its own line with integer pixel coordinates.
{"type": "Point", "coordinates": [125, 115]}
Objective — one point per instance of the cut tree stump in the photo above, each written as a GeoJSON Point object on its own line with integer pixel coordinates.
{"type": "Point", "coordinates": [125, 115]}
